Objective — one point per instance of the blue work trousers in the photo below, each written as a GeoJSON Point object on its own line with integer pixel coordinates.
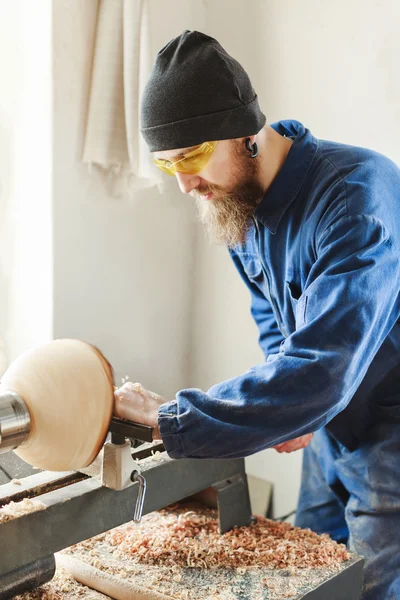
{"type": "Point", "coordinates": [355, 497]}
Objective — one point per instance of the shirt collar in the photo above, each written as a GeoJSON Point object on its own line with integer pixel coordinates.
{"type": "Point", "coordinates": [287, 184]}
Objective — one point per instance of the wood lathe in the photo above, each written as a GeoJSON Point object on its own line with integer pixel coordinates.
{"type": "Point", "coordinates": [56, 404]}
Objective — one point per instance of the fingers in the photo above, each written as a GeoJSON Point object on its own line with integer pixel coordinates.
{"type": "Point", "coordinates": [130, 401]}
{"type": "Point", "coordinates": [295, 444]}
{"type": "Point", "coordinates": [129, 388]}
{"type": "Point", "coordinates": [134, 403]}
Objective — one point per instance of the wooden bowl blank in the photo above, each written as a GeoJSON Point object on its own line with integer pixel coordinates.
{"type": "Point", "coordinates": [67, 386]}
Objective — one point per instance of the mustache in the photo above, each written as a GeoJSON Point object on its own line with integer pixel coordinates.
{"type": "Point", "coordinates": [202, 190]}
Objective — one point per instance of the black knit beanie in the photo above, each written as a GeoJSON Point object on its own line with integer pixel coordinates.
{"type": "Point", "coordinates": [197, 93]}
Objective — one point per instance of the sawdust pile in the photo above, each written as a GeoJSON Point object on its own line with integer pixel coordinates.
{"type": "Point", "coordinates": [191, 539]}
{"type": "Point", "coordinates": [179, 552]}
{"type": "Point", "coordinates": [12, 510]}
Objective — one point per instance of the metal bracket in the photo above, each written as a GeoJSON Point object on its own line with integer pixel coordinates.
{"type": "Point", "coordinates": [119, 471]}
{"type": "Point", "coordinates": [234, 507]}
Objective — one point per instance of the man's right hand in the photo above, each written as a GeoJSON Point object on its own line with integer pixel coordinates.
{"type": "Point", "coordinates": [296, 444]}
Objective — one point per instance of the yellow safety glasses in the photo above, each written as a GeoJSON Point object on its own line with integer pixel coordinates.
{"type": "Point", "coordinates": [192, 163]}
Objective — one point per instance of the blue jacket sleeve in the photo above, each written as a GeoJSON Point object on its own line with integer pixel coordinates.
{"type": "Point", "coordinates": [348, 306]}
{"type": "Point", "coordinates": [270, 338]}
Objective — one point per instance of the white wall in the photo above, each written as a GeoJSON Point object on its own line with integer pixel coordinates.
{"type": "Point", "coordinates": [123, 268]}
{"type": "Point", "coordinates": [25, 176]}
{"type": "Point", "coordinates": [119, 271]}
{"type": "Point", "coordinates": [333, 66]}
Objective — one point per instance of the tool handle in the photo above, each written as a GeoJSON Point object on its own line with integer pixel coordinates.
{"type": "Point", "coordinates": [131, 430]}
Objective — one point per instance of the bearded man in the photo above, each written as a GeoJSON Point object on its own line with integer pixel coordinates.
{"type": "Point", "coordinates": [313, 228]}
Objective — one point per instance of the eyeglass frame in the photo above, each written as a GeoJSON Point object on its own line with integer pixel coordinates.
{"type": "Point", "coordinates": [208, 147]}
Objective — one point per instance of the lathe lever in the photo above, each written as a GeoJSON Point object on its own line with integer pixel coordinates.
{"type": "Point", "coordinates": [137, 477]}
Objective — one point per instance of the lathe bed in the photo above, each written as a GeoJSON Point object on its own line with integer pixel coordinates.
{"type": "Point", "coordinates": [78, 507]}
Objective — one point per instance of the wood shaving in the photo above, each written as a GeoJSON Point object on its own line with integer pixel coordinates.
{"type": "Point", "coordinates": [137, 387]}
{"type": "Point", "coordinates": [12, 510]}
{"type": "Point", "coordinates": [180, 552]}
{"type": "Point", "coordinates": [192, 539]}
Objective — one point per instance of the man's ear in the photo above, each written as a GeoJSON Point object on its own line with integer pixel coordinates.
{"type": "Point", "coordinates": [250, 145]}
{"type": "Point", "coordinates": [252, 139]}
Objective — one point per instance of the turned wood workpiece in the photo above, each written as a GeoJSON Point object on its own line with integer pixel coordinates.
{"type": "Point", "coordinates": [107, 583]}
{"type": "Point", "coordinates": [67, 386]}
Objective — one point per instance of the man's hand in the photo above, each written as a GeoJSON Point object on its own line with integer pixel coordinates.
{"type": "Point", "coordinates": [296, 444]}
{"type": "Point", "coordinates": [134, 403]}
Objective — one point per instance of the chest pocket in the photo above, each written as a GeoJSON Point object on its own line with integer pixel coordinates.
{"type": "Point", "coordinates": [252, 266]}
{"type": "Point", "coordinates": [298, 303]}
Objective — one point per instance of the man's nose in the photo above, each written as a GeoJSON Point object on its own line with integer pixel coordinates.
{"type": "Point", "coordinates": [187, 182]}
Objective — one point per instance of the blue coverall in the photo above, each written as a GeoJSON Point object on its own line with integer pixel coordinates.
{"type": "Point", "coordinates": [322, 263]}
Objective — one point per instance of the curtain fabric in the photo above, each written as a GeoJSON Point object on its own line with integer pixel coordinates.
{"type": "Point", "coordinates": [121, 66]}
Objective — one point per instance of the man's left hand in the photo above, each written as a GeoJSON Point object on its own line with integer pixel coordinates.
{"type": "Point", "coordinates": [296, 444]}
{"type": "Point", "coordinates": [134, 403]}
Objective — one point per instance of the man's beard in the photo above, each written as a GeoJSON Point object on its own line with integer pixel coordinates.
{"type": "Point", "coordinates": [227, 217]}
